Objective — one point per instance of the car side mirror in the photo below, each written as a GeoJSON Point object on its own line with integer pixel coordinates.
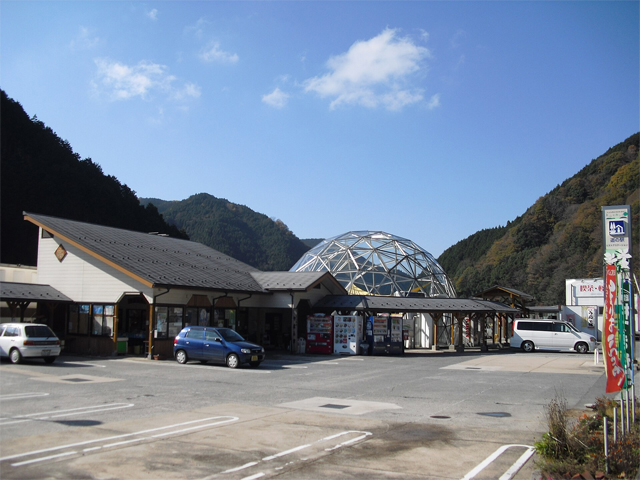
{"type": "Point", "coordinates": [218, 339]}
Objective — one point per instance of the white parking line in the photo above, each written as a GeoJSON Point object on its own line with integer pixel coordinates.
{"type": "Point", "coordinates": [228, 419]}
{"type": "Point", "coordinates": [20, 396]}
{"type": "Point", "coordinates": [64, 413]}
{"type": "Point", "coordinates": [84, 364]}
{"type": "Point", "coordinates": [297, 449]}
{"type": "Point", "coordinates": [509, 473]}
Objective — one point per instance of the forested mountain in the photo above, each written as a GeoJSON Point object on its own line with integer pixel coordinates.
{"type": "Point", "coordinates": [42, 174]}
{"type": "Point", "coordinates": [559, 237]}
{"type": "Point", "coordinates": [233, 229]}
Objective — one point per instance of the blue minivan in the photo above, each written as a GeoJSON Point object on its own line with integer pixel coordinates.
{"type": "Point", "coordinates": [218, 345]}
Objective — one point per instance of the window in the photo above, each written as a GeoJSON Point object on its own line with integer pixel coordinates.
{"type": "Point", "coordinates": [38, 331]}
{"type": "Point", "coordinates": [79, 319]}
{"type": "Point", "coordinates": [168, 321]}
{"type": "Point", "coordinates": [96, 324]}
{"type": "Point", "coordinates": [211, 336]}
{"type": "Point", "coordinates": [12, 332]}
{"type": "Point", "coordinates": [195, 333]}
{"type": "Point", "coordinates": [73, 319]}
{"type": "Point", "coordinates": [560, 327]}
{"type": "Point", "coordinates": [161, 321]}
{"type": "Point", "coordinates": [175, 321]}
{"type": "Point", "coordinates": [102, 323]}
{"type": "Point", "coordinates": [534, 326]}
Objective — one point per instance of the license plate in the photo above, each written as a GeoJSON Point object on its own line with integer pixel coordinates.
{"type": "Point", "coordinates": [46, 353]}
{"type": "Point", "coordinates": [254, 358]}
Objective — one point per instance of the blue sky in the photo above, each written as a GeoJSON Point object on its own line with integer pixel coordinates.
{"type": "Point", "coordinates": [429, 120]}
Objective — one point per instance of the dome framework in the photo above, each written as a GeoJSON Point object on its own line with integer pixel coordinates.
{"type": "Point", "coordinates": [378, 263]}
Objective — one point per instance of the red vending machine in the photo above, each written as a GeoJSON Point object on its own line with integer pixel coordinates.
{"type": "Point", "coordinates": [320, 334]}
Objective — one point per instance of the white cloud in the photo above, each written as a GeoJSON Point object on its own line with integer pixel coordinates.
{"type": "Point", "coordinates": [197, 28]}
{"type": "Point", "coordinates": [85, 40]}
{"type": "Point", "coordinates": [434, 101]}
{"type": "Point", "coordinates": [188, 90]}
{"type": "Point", "coordinates": [372, 73]}
{"type": "Point", "coordinates": [277, 98]}
{"type": "Point", "coordinates": [213, 53]}
{"type": "Point", "coordinates": [153, 14]}
{"type": "Point", "coordinates": [122, 82]}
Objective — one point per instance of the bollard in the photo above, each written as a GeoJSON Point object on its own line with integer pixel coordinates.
{"type": "Point", "coordinates": [633, 404]}
{"type": "Point", "coordinates": [626, 409]}
{"type": "Point", "coordinates": [606, 445]}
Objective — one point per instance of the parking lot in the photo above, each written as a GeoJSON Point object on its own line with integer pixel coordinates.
{"type": "Point", "coordinates": [422, 415]}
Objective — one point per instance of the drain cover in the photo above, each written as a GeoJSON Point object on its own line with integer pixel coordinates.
{"type": "Point", "coordinates": [495, 414]}
{"type": "Point", "coordinates": [439, 416]}
{"type": "Point", "coordinates": [75, 380]}
{"type": "Point", "coordinates": [333, 405]}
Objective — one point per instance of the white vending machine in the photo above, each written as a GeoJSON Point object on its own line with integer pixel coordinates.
{"type": "Point", "coordinates": [347, 334]}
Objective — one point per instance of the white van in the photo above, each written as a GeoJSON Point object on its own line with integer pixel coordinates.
{"type": "Point", "coordinates": [545, 333]}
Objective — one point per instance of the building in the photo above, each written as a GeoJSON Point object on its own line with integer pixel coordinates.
{"type": "Point", "coordinates": [131, 292]}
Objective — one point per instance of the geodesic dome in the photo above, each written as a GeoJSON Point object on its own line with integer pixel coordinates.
{"type": "Point", "coordinates": [378, 263]}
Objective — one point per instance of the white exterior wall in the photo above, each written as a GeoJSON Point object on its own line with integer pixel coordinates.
{"type": "Point", "coordinates": [420, 326]}
{"type": "Point", "coordinates": [81, 277]}
{"type": "Point", "coordinates": [18, 274]}
{"type": "Point", "coordinates": [585, 291]}
{"type": "Point", "coordinates": [585, 300]}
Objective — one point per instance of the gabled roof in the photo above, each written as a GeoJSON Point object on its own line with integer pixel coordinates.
{"type": "Point", "coordinates": [156, 261]}
{"type": "Point", "coordinates": [411, 304]}
{"type": "Point", "coordinates": [499, 291]}
{"type": "Point", "coordinates": [20, 292]}
{"type": "Point", "coordinates": [296, 281]}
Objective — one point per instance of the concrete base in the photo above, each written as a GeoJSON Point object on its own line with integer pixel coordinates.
{"type": "Point", "coordinates": [484, 348]}
{"type": "Point", "coordinates": [460, 348]}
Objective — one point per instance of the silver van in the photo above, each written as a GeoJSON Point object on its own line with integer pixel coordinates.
{"type": "Point", "coordinates": [544, 333]}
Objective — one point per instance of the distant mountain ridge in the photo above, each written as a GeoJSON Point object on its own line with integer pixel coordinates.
{"type": "Point", "coordinates": [233, 229]}
{"type": "Point", "coordinates": [558, 238]}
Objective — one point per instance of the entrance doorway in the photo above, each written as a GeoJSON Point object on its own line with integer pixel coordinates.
{"type": "Point", "coordinates": [133, 323]}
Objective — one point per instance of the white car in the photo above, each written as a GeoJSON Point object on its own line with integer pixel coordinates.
{"type": "Point", "coordinates": [28, 340]}
{"type": "Point", "coordinates": [546, 333]}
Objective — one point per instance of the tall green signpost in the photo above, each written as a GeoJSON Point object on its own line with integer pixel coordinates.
{"type": "Point", "coordinates": [617, 330]}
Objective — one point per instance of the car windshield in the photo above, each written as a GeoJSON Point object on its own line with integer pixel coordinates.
{"type": "Point", "coordinates": [230, 335]}
{"type": "Point", "coordinates": [38, 331]}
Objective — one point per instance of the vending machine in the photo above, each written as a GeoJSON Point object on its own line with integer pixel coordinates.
{"type": "Point", "coordinates": [320, 334]}
{"type": "Point", "coordinates": [384, 334]}
{"type": "Point", "coordinates": [347, 334]}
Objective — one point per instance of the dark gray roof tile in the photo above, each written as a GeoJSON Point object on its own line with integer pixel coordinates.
{"type": "Point", "coordinates": [158, 260]}
{"type": "Point", "coordinates": [14, 291]}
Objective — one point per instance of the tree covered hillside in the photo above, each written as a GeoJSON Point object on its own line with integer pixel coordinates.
{"type": "Point", "coordinates": [42, 174]}
{"type": "Point", "coordinates": [233, 229]}
{"type": "Point", "coordinates": [559, 237]}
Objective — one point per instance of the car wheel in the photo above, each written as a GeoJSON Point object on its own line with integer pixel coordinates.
{"type": "Point", "coordinates": [49, 359]}
{"type": "Point", "coordinates": [254, 364]}
{"type": "Point", "coordinates": [233, 361]}
{"type": "Point", "coordinates": [581, 347]}
{"type": "Point", "coordinates": [15, 356]}
{"type": "Point", "coordinates": [181, 356]}
{"type": "Point", "coordinates": [528, 346]}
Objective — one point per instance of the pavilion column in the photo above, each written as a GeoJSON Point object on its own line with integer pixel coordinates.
{"type": "Point", "coordinates": [483, 335]}
{"type": "Point", "coordinates": [460, 318]}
